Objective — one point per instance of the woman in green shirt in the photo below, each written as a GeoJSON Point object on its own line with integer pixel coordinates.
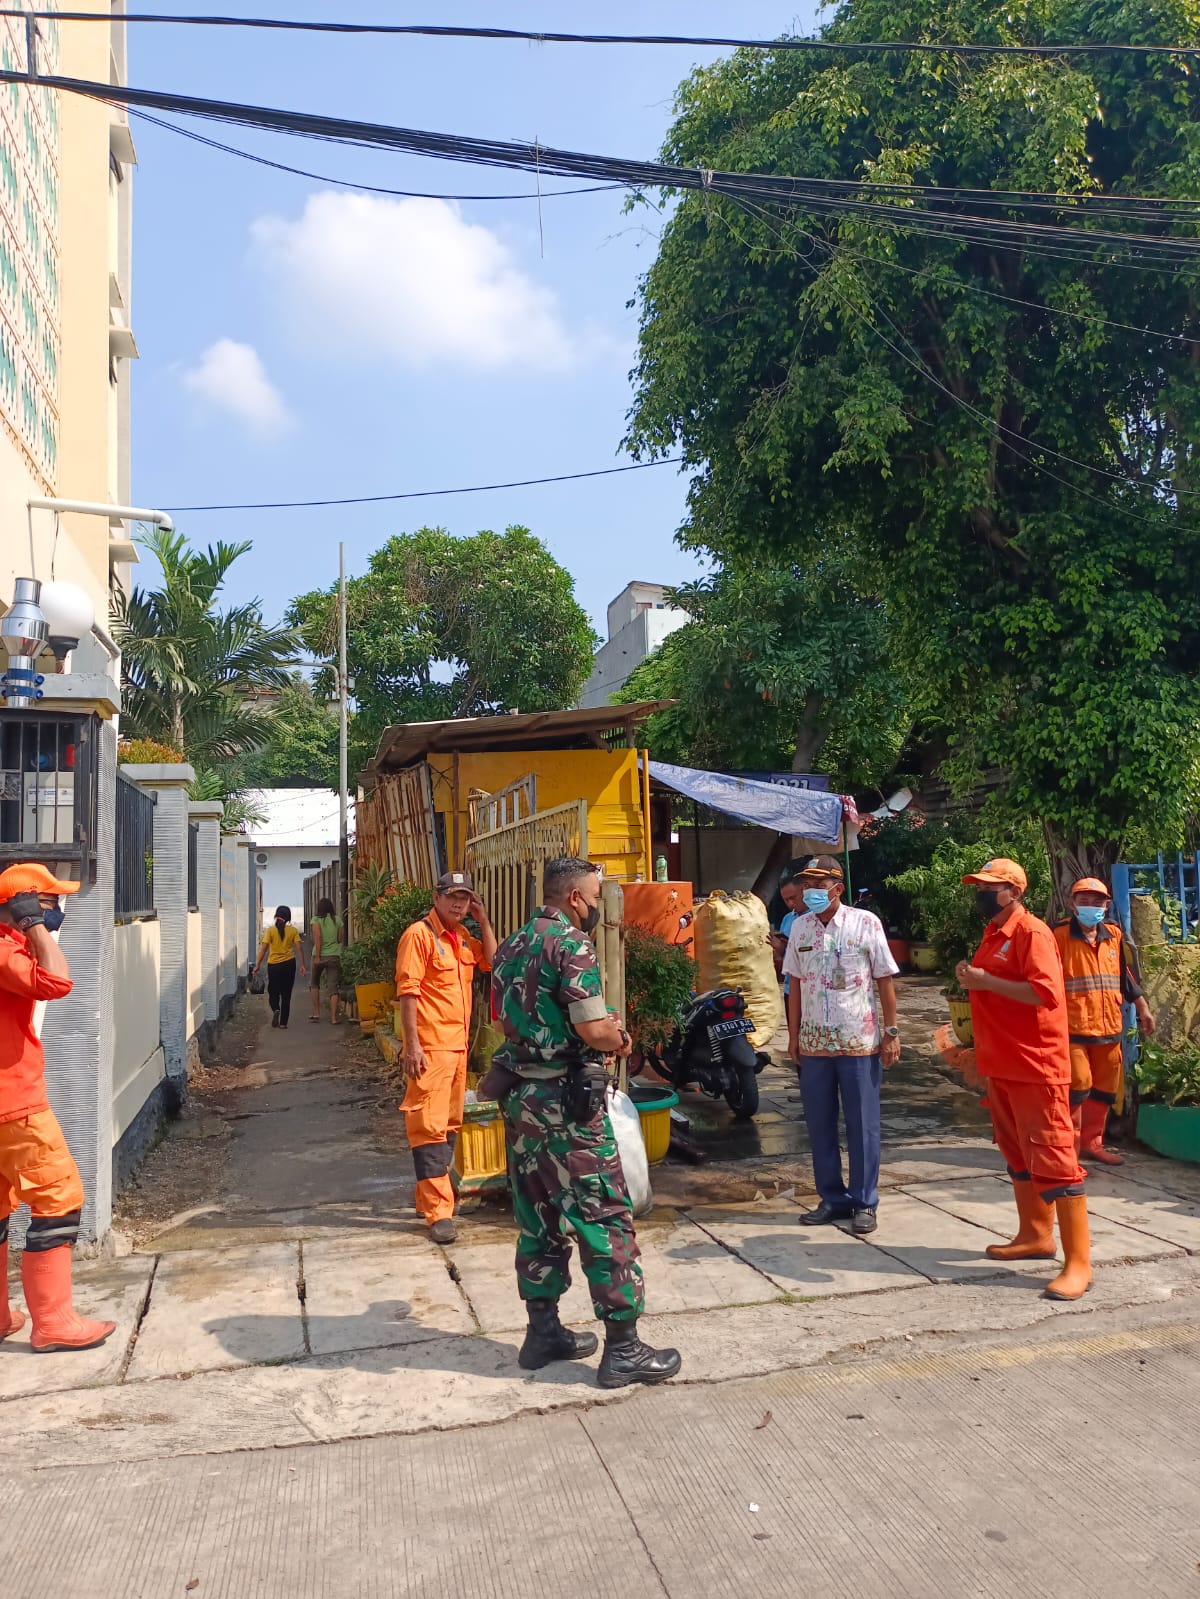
{"type": "Point", "coordinates": [326, 934]}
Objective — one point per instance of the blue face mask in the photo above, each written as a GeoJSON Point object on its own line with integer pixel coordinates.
{"type": "Point", "coordinates": [816, 900]}
{"type": "Point", "coordinates": [1089, 915]}
{"type": "Point", "coordinates": [52, 919]}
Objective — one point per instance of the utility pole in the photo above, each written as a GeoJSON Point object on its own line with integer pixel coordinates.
{"type": "Point", "coordinates": [343, 734]}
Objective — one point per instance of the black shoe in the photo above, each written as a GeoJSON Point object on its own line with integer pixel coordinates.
{"type": "Point", "coordinates": [444, 1231]}
{"type": "Point", "coordinates": [863, 1220]}
{"type": "Point", "coordinates": [824, 1215]}
{"type": "Point", "coordinates": [274, 1018]}
{"type": "Point", "coordinates": [548, 1340]}
{"type": "Point", "coordinates": [626, 1359]}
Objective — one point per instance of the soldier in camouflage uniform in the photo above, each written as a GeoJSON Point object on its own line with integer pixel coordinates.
{"type": "Point", "coordinates": [548, 1001]}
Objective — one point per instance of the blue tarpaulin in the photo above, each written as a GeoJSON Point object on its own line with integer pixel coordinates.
{"type": "Point", "coordinates": [786, 810]}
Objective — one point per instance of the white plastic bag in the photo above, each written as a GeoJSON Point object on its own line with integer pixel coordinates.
{"type": "Point", "coordinates": [627, 1130]}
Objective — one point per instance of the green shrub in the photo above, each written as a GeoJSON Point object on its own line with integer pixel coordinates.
{"type": "Point", "coordinates": [371, 958]}
{"type": "Point", "coordinates": [943, 907]}
{"type": "Point", "coordinates": [1168, 1076]}
{"type": "Point", "coordinates": [660, 978]}
{"type": "Point", "coordinates": [147, 752]}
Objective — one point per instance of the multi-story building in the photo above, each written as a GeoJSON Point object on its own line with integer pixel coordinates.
{"type": "Point", "coordinates": [65, 338]}
{"type": "Point", "coordinates": [639, 619]}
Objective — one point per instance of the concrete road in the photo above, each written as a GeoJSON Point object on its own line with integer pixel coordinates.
{"type": "Point", "coordinates": [1061, 1463]}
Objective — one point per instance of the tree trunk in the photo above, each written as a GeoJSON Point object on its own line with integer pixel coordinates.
{"type": "Point", "coordinates": [810, 735]}
{"type": "Point", "coordinates": [1071, 859]}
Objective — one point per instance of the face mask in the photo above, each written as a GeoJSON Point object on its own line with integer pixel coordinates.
{"type": "Point", "coordinates": [53, 919]}
{"type": "Point", "coordinates": [1086, 915]}
{"type": "Point", "coordinates": [816, 899]}
{"type": "Point", "coordinates": [592, 920]}
{"type": "Point", "coordinates": [987, 902]}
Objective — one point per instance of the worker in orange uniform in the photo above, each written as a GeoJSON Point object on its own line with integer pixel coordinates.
{"type": "Point", "coordinates": [36, 1167]}
{"type": "Point", "coordinates": [1019, 1016]}
{"type": "Point", "coordinates": [1098, 980]}
{"type": "Point", "coordinates": [435, 966]}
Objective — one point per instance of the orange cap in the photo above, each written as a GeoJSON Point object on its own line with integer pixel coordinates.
{"type": "Point", "coordinates": [999, 873]}
{"type": "Point", "coordinates": [1090, 885]}
{"type": "Point", "coordinates": [31, 877]}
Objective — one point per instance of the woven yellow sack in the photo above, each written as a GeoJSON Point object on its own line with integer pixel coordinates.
{"type": "Point", "coordinates": [733, 949]}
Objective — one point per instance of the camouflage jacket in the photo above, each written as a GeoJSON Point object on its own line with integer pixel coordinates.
{"type": "Point", "coordinates": [544, 979]}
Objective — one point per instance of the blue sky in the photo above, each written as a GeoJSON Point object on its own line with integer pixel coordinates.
{"type": "Point", "coordinates": [299, 341]}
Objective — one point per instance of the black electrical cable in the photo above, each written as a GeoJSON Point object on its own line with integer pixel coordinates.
{"type": "Point", "coordinates": [814, 195]}
{"type": "Point", "coordinates": [423, 494]}
{"type": "Point", "coordinates": [365, 188]}
{"type": "Point", "coordinates": [532, 36]}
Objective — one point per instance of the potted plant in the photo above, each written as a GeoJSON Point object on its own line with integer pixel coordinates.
{"type": "Point", "coordinates": [660, 978]}
{"type": "Point", "coordinates": [1168, 1081]}
{"type": "Point", "coordinates": [369, 962]}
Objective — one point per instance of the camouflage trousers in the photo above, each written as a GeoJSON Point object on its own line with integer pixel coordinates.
{"type": "Point", "coordinates": [561, 1172]}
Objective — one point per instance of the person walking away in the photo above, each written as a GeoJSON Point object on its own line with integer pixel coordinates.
{"type": "Point", "coordinates": [1098, 980]}
{"type": "Point", "coordinates": [1019, 1017]}
{"type": "Point", "coordinates": [563, 1163]}
{"type": "Point", "coordinates": [36, 1167]}
{"type": "Point", "coordinates": [842, 1030]}
{"type": "Point", "coordinates": [436, 962]}
{"type": "Point", "coordinates": [282, 950]}
{"type": "Point", "coordinates": [327, 944]}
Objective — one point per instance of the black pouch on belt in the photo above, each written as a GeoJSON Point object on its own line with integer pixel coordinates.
{"type": "Point", "coordinates": [584, 1088]}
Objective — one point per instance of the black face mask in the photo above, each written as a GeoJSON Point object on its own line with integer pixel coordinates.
{"type": "Point", "coordinates": [987, 902]}
{"type": "Point", "coordinates": [592, 920]}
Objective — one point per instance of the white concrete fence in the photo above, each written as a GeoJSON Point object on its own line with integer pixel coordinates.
{"type": "Point", "coordinates": [150, 987]}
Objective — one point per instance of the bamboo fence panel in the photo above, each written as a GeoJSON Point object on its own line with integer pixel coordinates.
{"type": "Point", "coordinates": [395, 827]}
{"type": "Point", "coordinates": [506, 863]}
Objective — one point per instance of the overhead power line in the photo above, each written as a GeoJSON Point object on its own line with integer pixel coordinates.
{"type": "Point", "coordinates": [930, 208]}
{"type": "Point", "coordinates": [691, 41]}
{"type": "Point", "coordinates": [424, 494]}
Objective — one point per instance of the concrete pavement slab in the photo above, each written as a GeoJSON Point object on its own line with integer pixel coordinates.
{"type": "Point", "coordinates": [109, 1291]}
{"type": "Point", "coordinates": [906, 1164]}
{"type": "Point", "coordinates": [489, 1281]}
{"type": "Point", "coordinates": [939, 1245]}
{"type": "Point", "coordinates": [988, 1202]}
{"type": "Point", "coordinates": [1144, 1209]}
{"type": "Point", "coordinates": [807, 1261]}
{"type": "Point", "coordinates": [241, 1306]}
{"type": "Point", "coordinates": [356, 1297]}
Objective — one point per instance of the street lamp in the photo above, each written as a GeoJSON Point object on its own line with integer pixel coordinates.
{"type": "Point", "coordinates": [70, 616]}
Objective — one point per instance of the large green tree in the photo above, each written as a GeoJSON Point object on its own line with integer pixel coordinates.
{"type": "Point", "coordinates": [440, 626]}
{"type": "Point", "coordinates": [191, 670]}
{"type": "Point", "coordinates": [1006, 422]}
{"type": "Point", "coordinates": [303, 751]}
{"type": "Point", "coordinates": [780, 667]}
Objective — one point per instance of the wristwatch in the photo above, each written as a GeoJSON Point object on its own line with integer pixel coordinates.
{"type": "Point", "coordinates": [891, 1032]}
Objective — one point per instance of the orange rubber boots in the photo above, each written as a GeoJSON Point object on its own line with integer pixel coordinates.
{"type": "Point", "coordinates": [12, 1320]}
{"type": "Point", "coordinates": [1035, 1234]}
{"type": "Point", "coordinates": [46, 1279]}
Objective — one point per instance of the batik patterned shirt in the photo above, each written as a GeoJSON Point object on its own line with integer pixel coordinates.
{"type": "Point", "coordinates": [838, 965]}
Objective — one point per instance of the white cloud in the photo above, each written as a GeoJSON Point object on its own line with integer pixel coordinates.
{"type": "Point", "coordinates": [413, 281]}
{"type": "Point", "coordinates": [232, 377]}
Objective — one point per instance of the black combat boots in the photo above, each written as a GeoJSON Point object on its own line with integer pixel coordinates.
{"type": "Point", "coordinates": [548, 1340]}
{"type": "Point", "coordinates": [627, 1359]}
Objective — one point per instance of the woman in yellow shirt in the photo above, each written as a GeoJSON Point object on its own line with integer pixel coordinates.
{"type": "Point", "coordinates": [282, 951]}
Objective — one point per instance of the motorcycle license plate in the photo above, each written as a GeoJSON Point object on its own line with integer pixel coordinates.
{"type": "Point", "coordinates": [737, 1029]}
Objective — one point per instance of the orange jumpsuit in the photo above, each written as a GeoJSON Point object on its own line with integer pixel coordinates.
{"type": "Point", "coordinates": [1024, 1052]}
{"type": "Point", "coordinates": [1098, 980]}
{"type": "Point", "coordinates": [36, 1167]}
{"type": "Point", "coordinates": [437, 964]}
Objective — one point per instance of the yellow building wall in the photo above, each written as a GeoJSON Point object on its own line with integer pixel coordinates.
{"type": "Point", "coordinates": [609, 780]}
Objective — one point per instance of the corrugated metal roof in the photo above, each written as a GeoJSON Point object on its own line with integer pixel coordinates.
{"type": "Point", "coordinates": [534, 730]}
{"type": "Point", "coordinates": [296, 817]}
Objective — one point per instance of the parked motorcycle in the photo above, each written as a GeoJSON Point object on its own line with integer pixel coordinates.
{"type": "Point", "coordinates": [710, 1047]}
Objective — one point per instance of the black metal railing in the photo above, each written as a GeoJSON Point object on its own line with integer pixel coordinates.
{"type": "Point", "coordinates": [193, 849]}
{"type": "Point", "coordinates": [134, 894]}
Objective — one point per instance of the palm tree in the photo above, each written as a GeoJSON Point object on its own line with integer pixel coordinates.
{"type": "Point", "coordinates": [190, 670]}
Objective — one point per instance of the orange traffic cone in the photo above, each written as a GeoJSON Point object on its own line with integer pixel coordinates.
{"type": "Point", "coordinates": [46, 1279]}
{"type": "Point", "coordinates": [1035, 1234]}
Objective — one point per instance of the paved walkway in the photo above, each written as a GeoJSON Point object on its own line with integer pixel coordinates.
{"type": "Point", "coordinates": [305, 1302]}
